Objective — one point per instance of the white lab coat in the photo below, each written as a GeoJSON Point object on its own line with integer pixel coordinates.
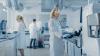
{"type": "Point", "coordinates": [56, 43]}
{"type": "Point", "coordinates": [33, 29]}
{"type": "Point", "coordinates": [21, 35]}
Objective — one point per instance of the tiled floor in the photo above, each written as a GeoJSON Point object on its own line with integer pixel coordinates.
{"type": "Point", "coordinates": [37, 52]}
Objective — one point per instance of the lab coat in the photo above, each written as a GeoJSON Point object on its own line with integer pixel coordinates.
{"type": "Point", "coordinates": [33, 29]}
{"type": "Point", "coordinates": [56, 43]}
{"type": "Point", "coordinates": [21, 35]}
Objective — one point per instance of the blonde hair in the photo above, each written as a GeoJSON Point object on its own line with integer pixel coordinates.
{"type": "Point", "coordinates": [19, 18]}
{"type": "Point", "coordinates": [52, 14]}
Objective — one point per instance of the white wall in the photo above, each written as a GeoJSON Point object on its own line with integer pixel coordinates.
{"type": "Point", "coordinates": [28, 15]}
{"type": "Point", "coordinates": [11, 20]}
{"type": "Point", "coordinates": [73, 19]}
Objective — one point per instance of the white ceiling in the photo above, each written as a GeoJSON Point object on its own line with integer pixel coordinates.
{"type": "Point", "coordinates": [74, 4]}
{"type": "Point", "coordinates": [31, 3]}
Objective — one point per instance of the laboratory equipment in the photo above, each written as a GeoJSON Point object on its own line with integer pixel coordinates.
{"type": "Point", "coordinates": [73, 43]}
{"type": "Point", "coordinates": [3, 26]}
{"type": "Point", "coordinates": [63, 21]}
{"type": "Point", "coordinates": [91, 29]}
{"type": "Point", "coordinates": [94, 25]}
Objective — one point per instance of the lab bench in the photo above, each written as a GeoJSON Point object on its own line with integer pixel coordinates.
{"type": "Point", "coordinates": [7, 47]}
{"type": "Point", "coordinates": [8, 44]}
{"type": "Point", "coordinates": [73, 45]}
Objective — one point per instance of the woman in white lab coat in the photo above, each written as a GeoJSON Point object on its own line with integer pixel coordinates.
{"type": "Point", "coordinates": [56, 42]}
{"type": "Point", "coordinates": [21, 35]}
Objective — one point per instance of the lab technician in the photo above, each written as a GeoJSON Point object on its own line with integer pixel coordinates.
{"type": "Point", "coordinates": [56, 42]}
{"type": "Point", "coordinates": [21, 35]}
{"type": "Point", "coordinates": [33, 29]}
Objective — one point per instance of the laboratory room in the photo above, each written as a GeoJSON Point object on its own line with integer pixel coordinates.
{"type": "Point", "coordinates": [49, 27]}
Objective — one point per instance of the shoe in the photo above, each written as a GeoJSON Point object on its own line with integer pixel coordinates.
{"type": "Point", "coordinates": [29, 47]}
{"type": "Point", "coordinates": [34, 47]}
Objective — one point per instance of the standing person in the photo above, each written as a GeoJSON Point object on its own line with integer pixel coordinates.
{"type": "Point", "coordinates": [33, 34]}
{"type": "Point", "coordinates": [21, 35]}
{"type": "Point", "coordinates": [56, 42]}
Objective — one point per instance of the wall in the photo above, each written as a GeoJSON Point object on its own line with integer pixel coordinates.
{"type": "Point", "coordinates": [12, 13]}
{"type": "Point", "coordinates": [73, 19]}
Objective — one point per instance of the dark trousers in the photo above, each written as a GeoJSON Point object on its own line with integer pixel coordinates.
{"type": "Point", "coordinates": [40, 43]}
{"type": "Point", "coordinates": [33, 43]}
